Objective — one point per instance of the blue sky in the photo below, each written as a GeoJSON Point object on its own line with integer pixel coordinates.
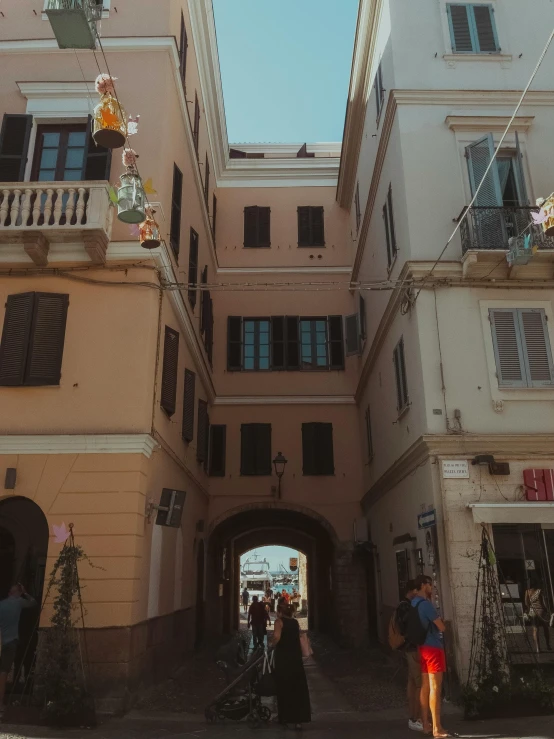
{"type": "Point", "coordinates": [285, 67]}
{"type": "Point", "coordinates": [275, 555]}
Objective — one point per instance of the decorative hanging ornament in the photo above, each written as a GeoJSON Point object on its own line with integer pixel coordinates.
{"type": "Point", "coordinates": [546, 214]}
{"type": "Point", "coordinates": [132, 125]}
{"type": "Point", "coordinates": [110, 122]}
{"type": "Point", "coordinates": [61, 533]}
{"type": "Point", "coordinates": [149, 235]}
{"type": "Point", "coordinates": [131, 199]}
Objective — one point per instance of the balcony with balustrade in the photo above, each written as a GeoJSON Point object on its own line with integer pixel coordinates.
{"type": "Point", "coordinates": [37, 216]}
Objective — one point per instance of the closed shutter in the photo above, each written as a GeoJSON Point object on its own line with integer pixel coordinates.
{"type": "Point", "coordinates": [202, 431]}
{"type": "Point", "coordinates": [394, 247]}
{"type": "Point", "coordinates": [363, 317]}
{"type": "Point", "coordinates": [336, 343]}
{"type": "Point", "coordinates": [176, 204]}
{"type": "Point", "coordinates": [520, 175]}
{"type": "Point", "coordinates": [303, 225]}
{"type": "Point", "coordinates": [214, 217]}
{"type": "Point", "coordinates": [538, 354]}
{"type": "Point", "coordinates": [369, 435]}
{"type": "Point", "coordinates": [196, 127]}
{"type": "Point", "coordinates": [460, 29]}
{"type": "Point", "coordinates": [479, 155]}
{"type": "Point", "coordinates": [318, 226]}
{"type": "Point", "coordinates": [193, 267]}
{"type": "Point", "coordinates": [169, 370]}
{"type": "Point", "coordinates": [206, 180]}
{"type": "Point", "coordinates": [204, 302]}
{"type": "Point", "coordinates": [357, 207]}
{"type": "Point", "coordinates": [15, 338]}
{"type": "Point", "coordinates": [352, 334]}
{"type": "Point", "coordinates": [317, 449]}
{"type": "Point", "coordinates": [308, 449]}
{"type": "Point", "coordinates": [234, 343]}
{"type": "Point", "coordinates": [263, 449]}
{"type": "Point", "coordinates": [183, 47]}
{"type": "Point", "coordinates": [98, 160]}
{"type": "Point", "coordinates": [44, 361]}
{"type": "Point", "coordinates": [188, 406]}
{"type": "Point", "coordinates": [278, 343]}
{"type": "Point", "coordinates": [484, 28]}
{"type": "Point", "coordinates": [255, 454]}
{"type": "Point", "coordinates": [400, 376]}
{"type": "Point", "coordinates": [292, 343]}
{"type": "Point", "coordinates": [508, 349]}
{"type": "Point", "coordinates": [14, 146]}
{"type": "Point", "coordinates": [251, 226]}
{"type": "Point", "coordinates": [264, 235]}
{"type": "Point", "coordinates": [209, 337]}
{"type": "Point", "coordinates": [247, 449]}
{"type": "Point", "coordinates": [218, 435]}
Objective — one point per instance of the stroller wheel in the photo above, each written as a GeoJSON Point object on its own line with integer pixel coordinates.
{"type": "Point", "coordinates": [253, 720]}
{"type": "Point", "coordinates": [265, 714]}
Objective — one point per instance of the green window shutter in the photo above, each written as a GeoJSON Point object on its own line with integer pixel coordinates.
{"type": "Point", "coordinates": [520, 175]}
{"type": "Point", "coordinates": [484, 29]}
{"type": "Point", "coordinates": [538, 353]}
{"type": "Point", "coordinates": [202, 431]}
{"type": "Point", "coordinates": [336, 343]}
{"type": "Point", "coordinates": [508, 347]}
{"type": "Point", "coordinates": [218, 436]}
{"type": "Point", "coordinates": [251, 226]}
{"type": "Point", "coordinates": [14, 146]}
{"type": "Point", "coordinates": [292, 343]}
{"type": "Point", "coordinates": [459, 22]}
{"type": "Point", "coordinates": [169, 371]}
{"type": "Point", "coordinates": [357, 206]}
{"type": "Point", "coordinates": [15, 338]}
{"type": "Point", "coordinates": [196, 127]}
{"type": "Point", "coordinates": [97, 163]}
{"type": "Point", "coordinates": [264, 229]}
{"type": "Point", "coordinates": [44, 360]}
{"type": "Point", "coordinates": [479, 155]}
{"type": "Point", "coordinates": [234, 343]}
{"type": "Point", "coordinates": [214, 216]}
{"type": "Point", "coordinates": [278, 343]}
{"type": "Point", "coordinates": [188, 406]}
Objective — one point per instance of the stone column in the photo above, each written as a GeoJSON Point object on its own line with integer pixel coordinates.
{"type": "Point", "coordinates": [350, 596]}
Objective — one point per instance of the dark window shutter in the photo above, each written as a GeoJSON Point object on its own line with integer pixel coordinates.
{"type": "Point", "coordinates": [247, 449]}
{"type": "Point", "coordinates": [324, 454]}
{"type": "Point", "coordinates": [251, 226]}
{"type": "Point", "coordinates": [336, 343]}
{"type": "Point", "coordinates": [98, 160]}
{"type": "Point", "coordinates": [44, 361]}
{"type": "Point", "coordinates": [460, 28]}
{"type": "Point", "coordinates": [263, 449]}
{"type": "Point", "coordinates": [363, 317]}
{"type": "Point", "coordinates": [14, 146]}
{"type": "Point", "coordinates": [352, 334]}
{"type": "Point", "coordinates": [169, 370]}
{"type": "Point", "coordinates": [369, 435]}
{"type": "Point", "coordinates": [357, 206]}
{"type": "Point", "coordinates": [303, 225]}
{"type": "Point", "coordinates": [534, 330]}
{"type": "Point", "coordinates": [183, 47]}
{"type": "Point", "coordinates": [202, 431]}
{"type": "Point", "coordinates": [218, 436]}
{"type": "Point", "coordinates": [255, 450]}
{"type": "Point", "coordinates": [206, 180]}
{"type": "Point", "coordinates": [234, 343]}
{"type": "Point", "coordinates": [508, 349]}
{"type": "Point", "coordinates": [193, 267]}
{"type": "Point", "coordinates": [15, 338]}
{"type": "Point", "coordinates": [204, 302]}
{"type": "Point", "coordinates": [484, 25]}
{"type": "Point", "coordinates": [318, 226]}
{"type": "Point", "coordinates": [308, 449]}
{"type": "Point", "coordinates": [209, 326]}
{"type": "Point", "coordinates": [264, 236]}
{"type": "Point", "coordinates": [188, 406]}
{"type": "Point", "coordinates": [196, 127]}
{"type": "Point", "coordinates": [292, 343]}
{"type": "Point", "coordinates": [278, 343]}
{"type": "Point", "coordinates": [176, 205]}
{"type": "Point", "coordinates": [394, 247]}
{"type": "Point", "coordinates": [214, 217]}
{"type": "Point", "coordinates": [400, 375]}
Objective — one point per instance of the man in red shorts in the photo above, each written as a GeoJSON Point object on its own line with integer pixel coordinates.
{"type": "Point", "coordinates": [433, 661]}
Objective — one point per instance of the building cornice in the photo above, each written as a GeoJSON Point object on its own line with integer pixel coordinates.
{"type": "Point", "coordinates": [284, 270]}
{"type": "Point", "coordinates": [285, 400]}
{"type": "Point", "coordinates": [488, 123]}
{"type": "Point", "coordinates": [79, 444]}
{"type": "Point", "coordinates": [321, 150]}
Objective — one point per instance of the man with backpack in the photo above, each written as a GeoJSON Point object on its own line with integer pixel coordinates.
{"type": "Point", "coordinates": [397, 639]}
{"type": "Point", "coordinates": [425, 628]}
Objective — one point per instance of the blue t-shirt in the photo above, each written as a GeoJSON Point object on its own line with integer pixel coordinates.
{"type": "Point", "coordinates": [428, 614]}
{"type": "Point", "coordinates": [10, 610]}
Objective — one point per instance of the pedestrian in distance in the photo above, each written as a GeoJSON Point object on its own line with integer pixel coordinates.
{"type": "Point", "coordinates": [245, 599]}
{"type": "Point", "coordinates": [293, 695]}
{"type": "Point", "coordinates": [425, 628]}
{"type": "Point", "coordinates": [295, 601]}
{"type": "Point", "coordinates": [10, 611]}
{"type": "Point", "coordinates": [258, 618]}
{"type": "Point", "coordinates": [398, 629]}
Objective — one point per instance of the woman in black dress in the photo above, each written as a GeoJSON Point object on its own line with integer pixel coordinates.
{"type": "Point", "coordinates": [293, 697]}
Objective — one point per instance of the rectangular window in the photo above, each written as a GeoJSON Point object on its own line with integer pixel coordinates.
{"type": "Point", "coordinates": [521, 347]}
{"type": "Point", "coordinates": [218, 434]}
{"type": "Point", "coordinates": [311, 230]}
{"type": "Point", "coordinates": [255, 450]}
{"type": "Point", "coordinates": [169, 371]}
{"type": "Point", "coordinates": [357, 206]}
{"type": "Point", "coordinates": [193, 267]}
{"type": "Point", "coordinates": [472, 28]}
{"type": "Point", "coordinates": [206, 180]}
{"type": "Point", "coordinates": [188, 406]}
{"type": "Point", "coordinates": [400, 376]}
{"type": "Point", "coordinates": [33, 339]}
{"type": "Point", "coordinates": [313, 342]}
{"type": "Point", "coordinates": [183, 48]}
{"type": "Point", "coordinates": [256, 343]}
{"type": "Point", "coordinates": [176, 205]}
{"type": "Point", "coordinates": [60, 153]}
{"type": "Point", "coordinates": [369, 435]}
{"type": "Point", "coordinates": [202, 431]}
{"type": "Point", "coordinates": [379, 90]}
{"type": "Point", "coordinates": [317, 449]}
{"type": "Point", "coordinates": [196, 126]}
{"type": "Point", "coordinates": [256, 227]}
{"type": "Point", "coordinates": [390, 235]}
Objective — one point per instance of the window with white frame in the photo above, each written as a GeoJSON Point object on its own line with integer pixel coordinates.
{"type": "Point", "coordinates": [472, 28]}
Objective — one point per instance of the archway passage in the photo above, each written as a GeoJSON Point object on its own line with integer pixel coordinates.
{"type": "Point", "coordinates": [258, 527]}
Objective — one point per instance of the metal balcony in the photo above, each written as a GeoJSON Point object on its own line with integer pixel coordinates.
{"type": "Point", "coordinates": [488, 228]}
{"type": "Point", "coordinates": [37, 214]}
{"type": "Point", "coordinates": [74, 22]}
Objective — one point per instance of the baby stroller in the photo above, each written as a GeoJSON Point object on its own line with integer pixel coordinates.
{"type": "Point", "coordinates": [240, 699]}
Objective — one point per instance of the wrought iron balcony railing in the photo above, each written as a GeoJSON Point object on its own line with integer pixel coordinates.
{"type": "Point", "coordinates": [486, 228]}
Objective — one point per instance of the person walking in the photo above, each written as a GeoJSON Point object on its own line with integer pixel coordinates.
{"type": "Point", "coordinates": [245, 599]}
{"type": "Point", "coordinates": [10, 611]}
{"type": "Point", "coordinates": [412, 657]}
{"type": "Point", "coordinates": [538, 615]}
{"type": "Point", "coordinates": [295, 601]}
{"type": "Point", "coordinates": [258, 618]}
{"type": "Point", "coordinates": [425, 627]}
{"type": "Point", "coordinates": [271, 599]}
{"type": "Point", "coordinates": [293, 695]}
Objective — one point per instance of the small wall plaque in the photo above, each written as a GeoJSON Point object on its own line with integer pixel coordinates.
{"type": "Point", "coordinates": [455, 468]}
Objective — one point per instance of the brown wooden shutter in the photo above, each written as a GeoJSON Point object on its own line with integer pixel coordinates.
{"type": "Point", "coordinates": [264, 230]}
{"type": "Point", "coordinates": [183, 47]}
{"type": "Point", "coordinates": [14, 146]}
{"type": "Point", "coordinates": [292, 343]}
{"type": "Point", "coordinates": [193, 267]}
{"type": "Point", "coordinates": [336, 343]}
{"type": "Point", "coordinates": [202, 431]}
{"type": "Point", "coordinates": [304, 226]}
{"type": "Point", "coordinates": [234, 343]}
{"type": "Point", "coordinates": [44, 360]}
{"type": "Point", "coordinates": [97, 163]}
{"type": "Point", "coordinates": [218, 434]}
{"type": "Point", "coordinates": [317, 226]}
{"type": "Point", "coordinates": [278, 343]}
{"type": "Point", "coordinates": [169, 370]}
{"type": "Point", "coordinates": [188, 406]}
{"type": "Point", "coordinates": [214, 217]}
{"type": "Point", "coordinates": [15, 338]}
{"type": "Point", "coordinates": [176, 205]}
{"type": "Point", "coordinates": [196, 128]}
{"type": "Point", "coordinates": [251, 226]}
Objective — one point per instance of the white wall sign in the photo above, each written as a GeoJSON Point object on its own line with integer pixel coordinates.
{"type": "Point", "coordinates": [458, 468]}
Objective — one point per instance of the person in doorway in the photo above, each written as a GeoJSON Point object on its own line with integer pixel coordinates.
{"type": "Point", "coordinates": [293, 695]}
{"type": "Point", "coordinates": [432, 658]}
{"type": "Point", "coordinates": [245, 599]}
{"type": "Point", "coordinates": [258, 618]}
{"type": "Point", "coordinates": [285, 596]}
{"type": "Point", "coordinates": [537, 612]}
{"type": "Point", "coordinates": [412, 658]}
{"type": "Point", "coordinates": [271, 599]}
{"type": "Point", "coordinates": [295, 601]}
{"type": "Point", "coordinates": [10, 611]}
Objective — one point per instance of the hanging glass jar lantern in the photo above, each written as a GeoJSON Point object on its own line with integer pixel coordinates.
{"type": "Point", "coordinates": [109, 119]}
{"type": "Point", "coordinates": [131, 198]}
{"type": "Point", "coordinates": [149, 231]}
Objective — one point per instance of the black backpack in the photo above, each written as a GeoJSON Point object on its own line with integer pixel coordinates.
{"type": "Point", "coordinates": [416, 633]}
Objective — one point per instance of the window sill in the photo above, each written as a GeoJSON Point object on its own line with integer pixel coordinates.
{"type": "Point", "coordinates": [256, 474]}
{"type": "Point", "coordinates": [318, 474]}
{"type": "Point", "coordinates": [268, 246]}
{"type": "Point", "coordinates": [402, 412]}
{"type": "Point", "coordinates": [505, 60]}
{"type": "Point", "coordinates": [311, 246]}
{"type": "Point", "coordinates": [391, 266]}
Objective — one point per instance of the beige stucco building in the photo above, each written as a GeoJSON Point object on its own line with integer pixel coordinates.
{"type": "Point", "coordinates": [293, 307]}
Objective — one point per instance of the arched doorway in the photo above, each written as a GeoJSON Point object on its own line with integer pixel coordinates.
{"type": "Point", "coordinates": [199, 630]}
{"type": "Point", "coordinates": [258, 526]}
{"type": "Point", "coordinates": [23, 551]}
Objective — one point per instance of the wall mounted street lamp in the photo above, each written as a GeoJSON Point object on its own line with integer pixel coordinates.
{"type": "Point", "coordinates": [280, 462]}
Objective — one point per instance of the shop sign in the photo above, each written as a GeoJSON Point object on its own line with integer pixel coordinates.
{"type": "Point", "coordinates": [424, 520]}
{"type": "Point", "coordinates": [293, 564]}
{"type": "Point", "coordinates": [455, 468]}
{"type": "Point", "coordinates": [539, 484]}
